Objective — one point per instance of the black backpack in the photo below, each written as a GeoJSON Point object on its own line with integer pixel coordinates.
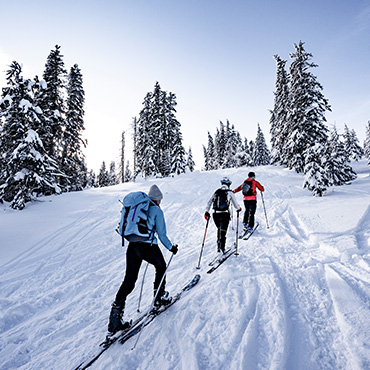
{"type": "Point", "coordinates": [220, 200]}
{"type": "Point", "coordinates": [247, 189]}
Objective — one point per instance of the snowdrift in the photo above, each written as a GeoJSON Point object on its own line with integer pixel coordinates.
{"type": "Point", "coordinates": [297, 296]}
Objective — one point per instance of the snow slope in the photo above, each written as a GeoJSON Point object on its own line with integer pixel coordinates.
{"type": "Point", "coordinates": [297, 296]}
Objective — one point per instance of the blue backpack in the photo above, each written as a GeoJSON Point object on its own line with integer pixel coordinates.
{"type": "Point", "coordinates": [134, 217]}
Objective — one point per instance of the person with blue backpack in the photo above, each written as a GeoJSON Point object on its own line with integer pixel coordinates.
{"type": "Point", "coordinates": [220, 201]}
{"type": "Point", "coordinates": [141, 219]}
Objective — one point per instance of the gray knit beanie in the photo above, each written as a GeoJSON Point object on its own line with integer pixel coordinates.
{"type": "Point", "coordinates": [155, 193]}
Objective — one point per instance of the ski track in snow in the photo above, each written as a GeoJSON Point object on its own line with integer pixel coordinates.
{"type": "Point", "coordinates": [297, 296]}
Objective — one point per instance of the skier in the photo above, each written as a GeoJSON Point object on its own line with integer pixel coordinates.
{"type": "Point", "coordinates": [148, 251]}
{"type": "Point", "coordinates": [250, 200]}
{"type": "Point", "coordinates": [220, 201]}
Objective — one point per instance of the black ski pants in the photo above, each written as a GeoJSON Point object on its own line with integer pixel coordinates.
{"type": "Point", "coordinates": [136, 253]}
{"type": "Point", "coordinates": [250, 210]}
{"type": "Point", "coordinates": [221, 220]}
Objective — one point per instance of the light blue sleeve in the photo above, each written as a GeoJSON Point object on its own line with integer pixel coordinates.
{"type": "Point", "coordinates": [160, 226]}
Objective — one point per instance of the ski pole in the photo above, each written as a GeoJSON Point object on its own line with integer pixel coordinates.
{"type": "Point", "coordinates": [204, 239]}
{"type": "Point", "coordinates": [153, 301]}
{"type": "Point", "coordinates": [141, 289]}
{"type": "Point", "coordinates": [264, 208]}
{"type": "Point", "coordinates": [232, 221]}
{"type": "Point", "coordinates": [237, 233]}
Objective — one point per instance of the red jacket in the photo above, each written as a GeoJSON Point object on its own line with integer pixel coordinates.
{"type": "Point", "coordinates": [255, 184]}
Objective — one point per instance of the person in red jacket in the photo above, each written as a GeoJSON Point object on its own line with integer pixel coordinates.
{"type": "Point", "coordinates": [250, 199]}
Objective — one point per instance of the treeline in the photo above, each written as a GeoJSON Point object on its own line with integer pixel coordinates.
{"type": "Point", "coordinates": [41, 126]}
{"type": "Point", "coordinates": [228, 150]}
{"type": "Point", "coordinates": [300, 138]}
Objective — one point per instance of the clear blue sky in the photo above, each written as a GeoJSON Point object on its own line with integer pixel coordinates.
{"type": "Point", "coordinates": [216, 56]}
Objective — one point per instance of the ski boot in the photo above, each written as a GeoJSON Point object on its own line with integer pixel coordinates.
{"type": "Point", "coordinates": [163, 300]}
{"type": "Point", "coordinates": [115, 320]}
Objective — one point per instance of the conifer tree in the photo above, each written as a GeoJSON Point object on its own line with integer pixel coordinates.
{"type": "Point", "coordinates": [159, 150]}
{"type": "Point", "coordinates": [279, 125]}
{"type": "Point", "coordinates": [190, 162]}
{"type": "Point", "coordinates": [121, 168]}
{"type": "Point", "coordinates": [26, 170]}
{"type": "Point", "coordinates": [128, 174]}
{"type": "Point", "coordinates": [351, 144]}
{"type": "Point", "coordinates": [252, 151]}
{"type": "Point", "coordinates": [307, 109]}
{"type": "Point", "coordinates": [135, 140]}
{"type": "Point", "coordinates": [174, 144]}
{"type": "Point", "coordinates": [220, 146]}
{"type": "Point", "coordinates": [211, 154]}
{"type": "Point", "coordinates": [261, 151]}
{"type": "Point", "coordinates": [314, 172]}
{"type": "Point", "coordinates": [144, 141]}
{"type": "Point", "coordinates": [206, 159]}
{"type": "Point", "coordinates": [51, 101]}
{"type": "Point", "coordinates": [91, 179]}
{"type": "Point", "coordinates": [103, 177]}
{"type": "Point", "coordinates": [112, 176]}
{"type": "Point", "coordinates": [232, 147]}
{"type": "Point", "coordinates": [72, 161]}
{"type": "Point", "coordinates": [337, 168]}
{"type": "Point", "coordinates": [367, 142]}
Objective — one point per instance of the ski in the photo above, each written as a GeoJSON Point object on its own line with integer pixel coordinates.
{"type": "Point", "coordinates": [137, 325]}
{"type": "Point", "coordinates": [250, 233]}
{"type": "Point", "coordinates": [217, 258]}
{"type": "Point", "coordinates": [156, 312]}
{"type": "Point", "coordinates": [222, 260]}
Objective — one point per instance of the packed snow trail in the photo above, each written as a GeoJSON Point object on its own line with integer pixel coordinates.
{"type": "Point", "coordinates": [297, 296]}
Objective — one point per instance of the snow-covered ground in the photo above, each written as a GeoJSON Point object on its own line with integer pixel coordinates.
{"type": "Point", "coordinates": [297, 296]}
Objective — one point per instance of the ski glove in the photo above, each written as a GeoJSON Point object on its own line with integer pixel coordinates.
{"type": "Point", "coordinates": [174, 249]}
{"type": "Point", "coordinates": [207, 216]}
{"type": "Point", "coordinates": [239, 210]}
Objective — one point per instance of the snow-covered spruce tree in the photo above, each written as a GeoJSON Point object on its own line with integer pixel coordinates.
{"type": "Point", "coordinates": [134, 126]}
{"type": "Point", "coordinates": [174, 140]}
{"type": "Point", "coordinates": [206, 159]}
{"type": "Point", "coordinates": [121, 165]}
{"type": "Point", "coordinates": [367, 142]}
{"type": "Point", "coordinates": [128, 174]}
{"type": "Point", "coordinates": [314, 172]}
{"type": "Point", "coordinates": [306, 115]}
{"type": "Point", "coordinates": [261, 151]}
{"type": "Point", "coordinates": [233, 148]}
{"type": "Point", "coordinates": [91, 179]}
{"type": "Point", "coordinates": [159, 149]}
{"type": "Point", "coordinates": [72, 160]}
{"type": "Point", "coordinates": [351, 144]}
{"type": "Point", "coordinates": [252, 151]}
{"type": "Point", "coordinates": [103, 177]}
{"type": "Point", "coordinates": [220, 146]}
{"type": "Point", "coordinates": [248, 153]}
{"type": "Point", "coordinates": [240, 156]}
{"type": "Point", "coordinates": [144, 141]}
{"type": "Point", "coordinates": [26, 170]}
{"type": "Point", "coordinates": [51, 101]}
{"type": "Point", "coordinates": [159, 130]}
{"type": "Point", "coordinates": [337, 168]}
{"type": "Point", "coordinates": [279, 127]}
{"type": "Point", "coordinates": [112, 176]}
{"type": "Point", "coordinates": [211, 154]}
{"type": "Point", "coordinates": [190, 161]}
